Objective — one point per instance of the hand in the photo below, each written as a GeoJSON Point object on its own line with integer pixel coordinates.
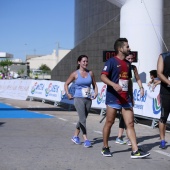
{"type": "Point", "coordinates": [141, 92]}
{"type": "Point", "coordinates": [153, 87]}
{"type": "Point", "coordinates": [69, 96]}
{"type": "Point", "coordinates": [117, 87]}
{"type": "Point", "coordinates": [94, 96]}
{"type": "Point", "coordinates": [133, 103]}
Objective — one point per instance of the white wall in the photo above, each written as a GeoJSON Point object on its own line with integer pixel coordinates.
{"type": "Point", "coordinates": [141, 22]}
{"type": "Point", "coordinates": [50, 60]}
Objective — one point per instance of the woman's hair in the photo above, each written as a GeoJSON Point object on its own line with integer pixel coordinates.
{"type": "Point", "coordinates": [79, 59]}
{"type": "Point", "coordinates": [131, 53]}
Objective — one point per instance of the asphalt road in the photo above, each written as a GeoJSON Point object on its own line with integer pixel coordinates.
{"type": "Point", "coordinates": [45, 143]}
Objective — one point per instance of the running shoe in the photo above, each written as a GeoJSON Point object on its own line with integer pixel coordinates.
{"type": "Point", "coordinates": [139, 154]}
{"type": "Point", "coordinates": [76, 140]}
{"type": "Point", "coordinates": [128, 142]}
{"type": "Point", "coordinates": [162, 144]}
{"type": "Point", "coordinates": [120, 141]}
{"type": "Point", "coordinates": [106, 152]}
{"type": "Point", "coordinates": [87, 144]}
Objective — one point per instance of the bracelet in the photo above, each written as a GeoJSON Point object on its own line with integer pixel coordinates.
{"type": "Point", "coordinates": [140, 87]}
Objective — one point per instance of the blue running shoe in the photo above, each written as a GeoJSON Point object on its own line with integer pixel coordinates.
{"type": "Point", "coordinates": [162, 144]}
{"type": "Point", "coordinates": [76, 140]}
{"type": "Point", "coordinates": [87, 144]}
{"type": "Point", "coordinates": [120, 141]}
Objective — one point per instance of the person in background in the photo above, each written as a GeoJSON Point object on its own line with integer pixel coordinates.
{"type": "Point", "coordinates": [154, 80]}
{"type": "Point", "coordinates": [83, 79]}
{"type": "Point", "coordinates": [1, 75]}
{"type": "Point", "coordinates": [122, 126]}
{"type": "Point", "coordinates": [36, 76]}
{"type": "Point", "coordinates": [117, 75]}
{"type": "Point", "coordinates": [163, 71]}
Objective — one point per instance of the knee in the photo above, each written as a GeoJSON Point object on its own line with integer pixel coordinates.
{"type": "Point", "coordinates": [110, 122]}
{"type": "Point", "coordinates": [130, 124]}
{"type": "Point", "coordinates": [163, 120]}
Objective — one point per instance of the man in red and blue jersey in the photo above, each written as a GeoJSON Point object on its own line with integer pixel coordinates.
{"type": "Point", "coordinates": [117, 75]}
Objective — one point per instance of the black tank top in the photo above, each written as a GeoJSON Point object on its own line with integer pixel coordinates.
{"type": "Point", "coordinates": [166, 59]}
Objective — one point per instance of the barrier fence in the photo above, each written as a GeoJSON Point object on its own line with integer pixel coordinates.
{"type": "Point", "coordinates": [146, 107]}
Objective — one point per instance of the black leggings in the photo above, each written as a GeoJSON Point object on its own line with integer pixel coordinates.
{"type": "Point", "coordinates": [121, 121]}
{"type": "Point", "coordinates": [165, 108]}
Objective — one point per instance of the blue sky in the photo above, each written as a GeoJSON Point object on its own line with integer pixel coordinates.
{"type": "Point", "coordinates": [30, 27]}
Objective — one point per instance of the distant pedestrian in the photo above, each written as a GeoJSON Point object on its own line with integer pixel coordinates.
{"type": "Point", "coordinates": [163, 71]}
{"type": "Point", "coordinates": [83, 79]}
{"type": "Point", "coordinates": [1, 76]}
{"type": "Point", "coordinates": [154, 80]}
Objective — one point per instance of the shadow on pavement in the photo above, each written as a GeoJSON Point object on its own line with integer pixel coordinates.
{"type": "Point", "coordinates": [2, 123]}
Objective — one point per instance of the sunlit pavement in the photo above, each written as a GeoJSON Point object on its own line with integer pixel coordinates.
{"type": "Point", "coordinates": [30, 141]}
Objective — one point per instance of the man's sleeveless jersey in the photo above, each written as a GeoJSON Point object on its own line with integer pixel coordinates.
{"type": "Point", "coordinates": [119, 72]}
{"type": "Point", "coordinates": [166, 59]}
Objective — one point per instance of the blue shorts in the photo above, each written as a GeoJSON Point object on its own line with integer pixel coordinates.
{"type": "Point", "coordinates": [120, 106]}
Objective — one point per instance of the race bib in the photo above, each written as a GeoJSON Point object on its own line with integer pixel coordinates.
{"type": "Point", "coordinates": [86, 92]}
{"type": "Point", "coordinates": [123, 84]}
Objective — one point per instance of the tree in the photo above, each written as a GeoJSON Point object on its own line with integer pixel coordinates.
{"type": "Point", "coordinates": [45, 69]}
{"type": "Point", "coordinates": [5, 63]}
{"type": "Point", "coordinates": [21, 71]}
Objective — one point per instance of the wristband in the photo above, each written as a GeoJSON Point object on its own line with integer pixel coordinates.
{"type": "Point", "coordinates": [140, 87]}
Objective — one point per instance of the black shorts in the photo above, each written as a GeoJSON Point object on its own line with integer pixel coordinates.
{"type": "Point", "coordinates": [165, 107]}
{"type": "Point", "coordinates": [121, 121]}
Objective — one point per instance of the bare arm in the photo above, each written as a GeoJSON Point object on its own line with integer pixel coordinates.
{"type": "Point", "coordinates": [156, 82]}
{"type": "Point", "coordinates": [130, 90]}
{"type": "Point", "coordinates": [68, 81]}
{"type": "Point", "coordinates": [106, 80]}
{"type": "Point", "coordinates": [160, 67]}
{"type": "Point", "coordinates": [95, 88]}
{"type": "Point", "coordinates": [139, 82]}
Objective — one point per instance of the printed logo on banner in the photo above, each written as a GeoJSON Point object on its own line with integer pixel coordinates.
{"type": "Point", "coordinates": [136, 97]}
{"type": "Point", "coordinates": [71, 91]}
{"type": "Point", "coordinates": [37, 87]}
{"type": "Point", "coordinates": [102, 95]}
{"type": "Point", "coordinates": [63, 93]}
{"type": "Point", "coordinates": [34, 88]}
{"type": "Point", "coordinates": [51, 90]}
{"type": "Point", "coordinates": [156, 105]}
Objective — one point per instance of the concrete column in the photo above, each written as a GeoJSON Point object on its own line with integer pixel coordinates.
{"type": "Point", "coordinates": [141, 22]}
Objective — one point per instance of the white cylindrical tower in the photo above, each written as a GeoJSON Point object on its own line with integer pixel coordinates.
{"type": "Point", "coordinates": [141, 22]}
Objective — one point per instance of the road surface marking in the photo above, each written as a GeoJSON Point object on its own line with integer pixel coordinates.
{"type": "Point", "coordinates": [163, 153]}
{"type": "Point", "coordinates": [97, 132]}
{"type": "Point", "coordinates": [62, 119]}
